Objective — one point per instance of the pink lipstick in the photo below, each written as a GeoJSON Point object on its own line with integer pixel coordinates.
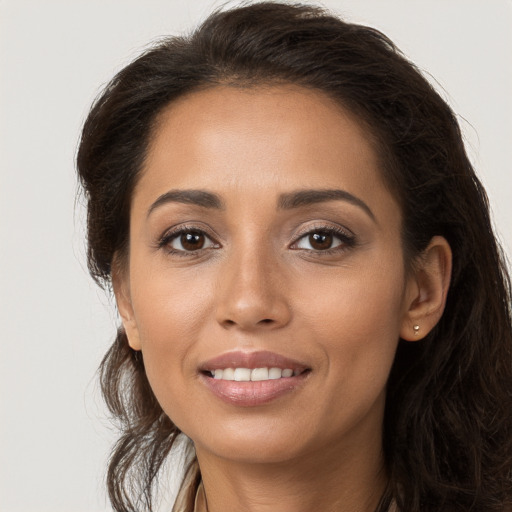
{"type": "Point", "coordinates": [248, 379]}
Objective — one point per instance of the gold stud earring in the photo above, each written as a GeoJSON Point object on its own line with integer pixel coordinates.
{"type": "Point", "coordinates": [416, 328]}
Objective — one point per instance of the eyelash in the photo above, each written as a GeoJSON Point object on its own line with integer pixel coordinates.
{"type": "Point", "coordinates": [347, 239]}
{"type": "Point", "coordinates": [168, 237]}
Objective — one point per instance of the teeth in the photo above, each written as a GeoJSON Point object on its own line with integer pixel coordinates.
{"type": "Point", "coordinates": [275, 373]}
{"type": "Point", "coordinates": [242, 374]}
{"type": "Point", "coordinates": [218, 374]}
{"type": "Point", "coordinates": [259, 374]}
{"type": "Point", "coordinates": [246, 374]}
{"type": "Point", "coordinates": [228, 374]}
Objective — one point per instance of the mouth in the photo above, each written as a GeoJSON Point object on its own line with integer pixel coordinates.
{"type": "Point", "coordinates": [251, 379]}
{"type": "Point", "coordinates": [252, 375]}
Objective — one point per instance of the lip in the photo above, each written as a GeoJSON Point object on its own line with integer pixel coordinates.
{"type": "Point", "coordinates": [253, 393]}
{"type": "Point", "coordinates": [251, 360]}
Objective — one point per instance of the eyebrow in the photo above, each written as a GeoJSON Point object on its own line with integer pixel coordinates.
{"type": "Point", "coordinates": [195, 197]}
{"type": "Point", "coordinates": [301, 198]}
{"type": "Point", "coordinates": [286, 201]}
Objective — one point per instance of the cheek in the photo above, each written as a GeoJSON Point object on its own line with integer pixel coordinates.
{"type": "Point", "coordinates": [357, 325]}
{"type": "Point", "coordinates": [170, 313]}
{"type": "Point", "coordinates": [362, 303]}
{"type": "Point", "coordinates": [170, 306]}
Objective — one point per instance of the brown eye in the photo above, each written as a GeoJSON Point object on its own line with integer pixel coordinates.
{"type": "Point", "coordinates": [323, 240]}
{"type": "Point", "coordinates": [192, 241]}
{"type": "Point", "coordinates": [189, 241]}
{"type": "Point", "coordinates": [320, 241]}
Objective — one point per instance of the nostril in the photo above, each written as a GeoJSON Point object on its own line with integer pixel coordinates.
{"type": "Point", "coordinates": [266, 321]}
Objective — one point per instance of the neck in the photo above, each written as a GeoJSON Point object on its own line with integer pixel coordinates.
{"type": "Point", "coordinates": [337, 479]}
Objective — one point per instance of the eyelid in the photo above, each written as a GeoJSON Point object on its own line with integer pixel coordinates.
{"type": "Point", "coordinates": [334, 228]}
{"type": "Point", "coordinates": [174, 232]}
{"type": "Point", "coordinates": [346, 236]}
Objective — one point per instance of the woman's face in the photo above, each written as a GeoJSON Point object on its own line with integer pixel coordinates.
{"type": "Point", "coordinates": [262, 236]}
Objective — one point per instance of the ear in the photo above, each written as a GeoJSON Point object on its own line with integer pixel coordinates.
{"type": "Point", "coordinates": [427, 289]}
{"type": "Point", "coordinates": [121, 285]}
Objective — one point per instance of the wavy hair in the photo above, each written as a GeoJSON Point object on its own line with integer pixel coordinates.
{"type": "Point", "coordinates": [448, 420]}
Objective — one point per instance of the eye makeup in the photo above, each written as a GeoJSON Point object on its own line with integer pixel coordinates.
{"type": "Point", "coordinates": [187, 240]}
{"type": "Point", "coordinates": [321, 239]}
{"type": "Point", "coordinates": [324, 239]}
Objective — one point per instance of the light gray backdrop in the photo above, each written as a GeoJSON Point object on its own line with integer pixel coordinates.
{"type": "Point", "coordinates": [54, 324]}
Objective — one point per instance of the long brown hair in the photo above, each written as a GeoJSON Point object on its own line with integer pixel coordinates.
{"type": "Point", "coordinates": [448, 421]}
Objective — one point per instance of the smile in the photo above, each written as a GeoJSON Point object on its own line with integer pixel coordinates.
{"type": "Point", "coordinates": [254, 378]}
{"type": "Point", "coordinates": [256, 374]}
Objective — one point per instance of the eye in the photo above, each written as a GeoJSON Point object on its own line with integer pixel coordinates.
{"type": "Point", "coordinates": [187, 240]}
{"type": "Point", "coordinates": [324, 239]}
{"type": "Point", "coordinates": [318, 241]}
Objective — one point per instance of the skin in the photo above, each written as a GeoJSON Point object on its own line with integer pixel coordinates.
{"type": "Point", "coordinates": [259, 284]}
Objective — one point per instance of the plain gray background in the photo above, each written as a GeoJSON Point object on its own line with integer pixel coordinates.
{"type": "Point", "coordinates": [55, 324]}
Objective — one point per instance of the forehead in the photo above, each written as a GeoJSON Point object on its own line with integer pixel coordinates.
{"type": "Point", "coordinates": [279, 138]}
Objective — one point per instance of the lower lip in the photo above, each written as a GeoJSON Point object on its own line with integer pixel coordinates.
{"type": "Point", "coordinates": [251, 394]}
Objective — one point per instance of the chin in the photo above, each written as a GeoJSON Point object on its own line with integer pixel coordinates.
{"type": "Point", "coordinates": [255, 441]}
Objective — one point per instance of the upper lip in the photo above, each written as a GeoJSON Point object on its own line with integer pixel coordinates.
{"type": "Point", "coordinates": [251, 360]}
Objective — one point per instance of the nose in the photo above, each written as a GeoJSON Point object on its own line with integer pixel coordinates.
{"type": "Point", "coordinates": [252, 293]}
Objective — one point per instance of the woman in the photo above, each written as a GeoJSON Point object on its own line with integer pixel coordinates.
{"type": "Point", "coordinates": [303, 261]}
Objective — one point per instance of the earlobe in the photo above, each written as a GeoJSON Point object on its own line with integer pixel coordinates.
{"type": "Point", "coordinates": [121, 288]}
{"type": "Point", "coordinates": [427, 290]}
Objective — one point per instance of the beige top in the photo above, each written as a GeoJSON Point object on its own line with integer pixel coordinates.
{"type": "Point", "coordinates": [200, 503]}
